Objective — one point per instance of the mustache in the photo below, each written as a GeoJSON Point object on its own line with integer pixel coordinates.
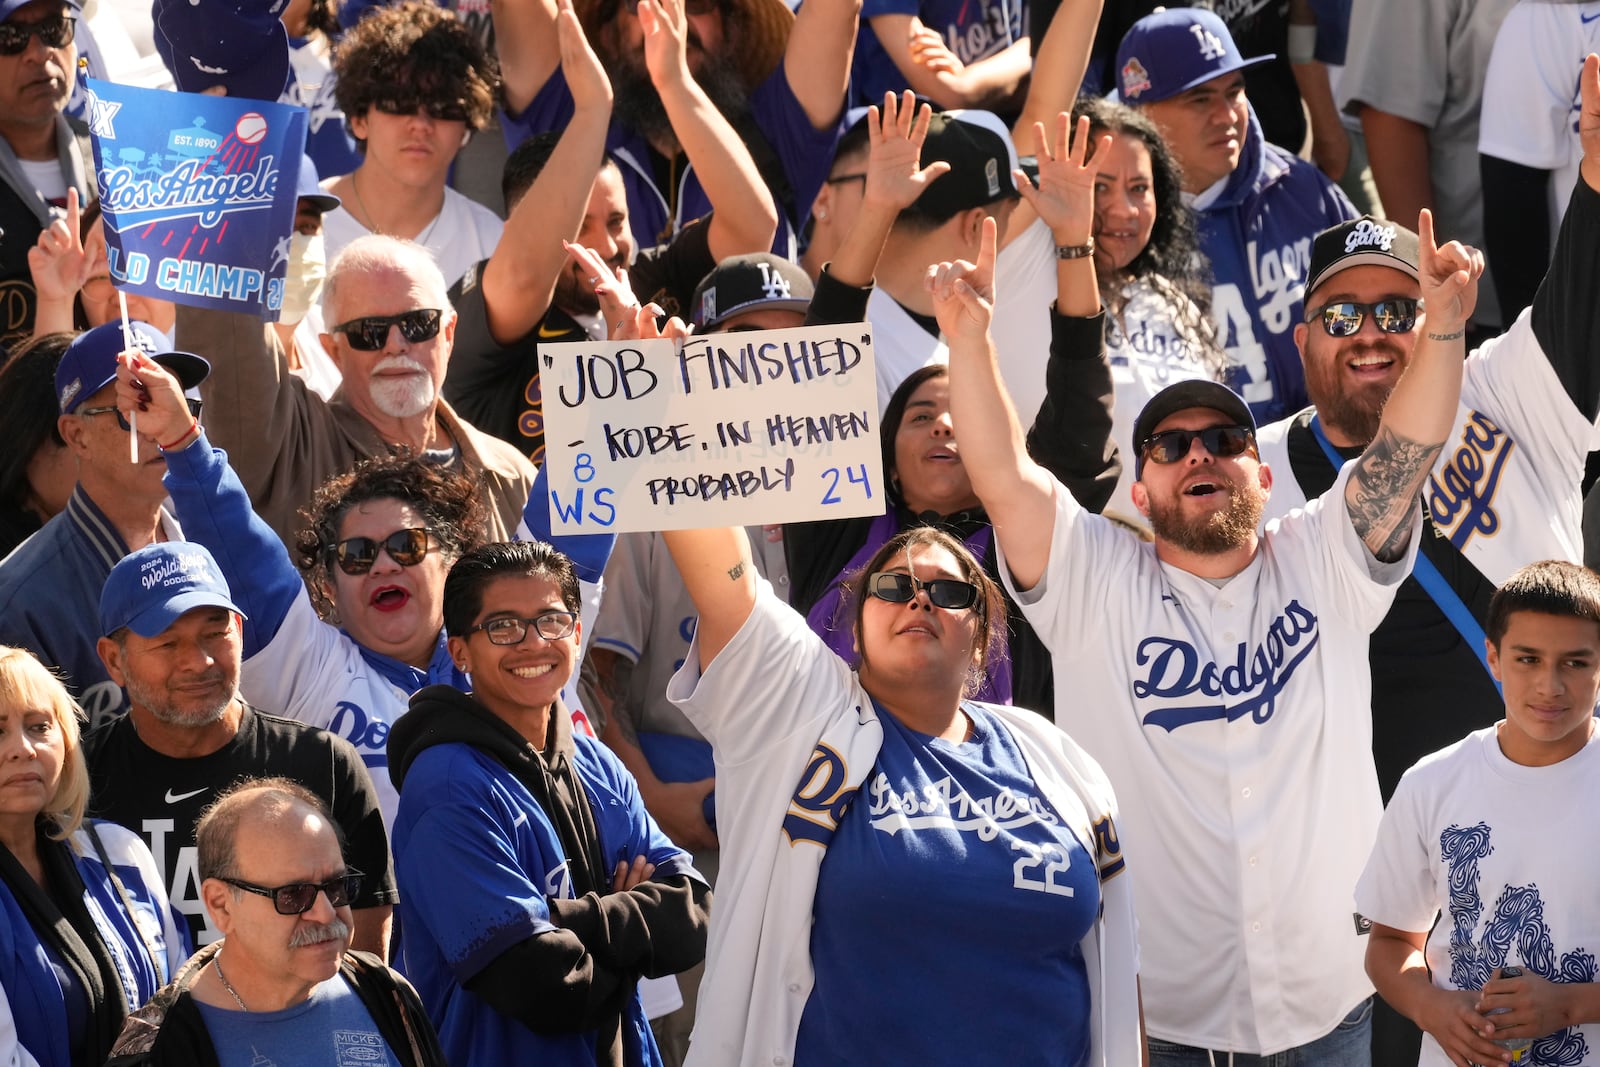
{"type": "Point", "coordinates": [316, 933]}
{"type": "Point", "coordinates": [398, 363]}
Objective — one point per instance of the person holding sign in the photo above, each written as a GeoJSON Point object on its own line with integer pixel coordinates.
{"type": "Point", "coordinates": [818, 947]}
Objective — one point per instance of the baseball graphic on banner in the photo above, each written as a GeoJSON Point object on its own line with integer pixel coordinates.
{"type": "Point", "coordinates": [250, 128]}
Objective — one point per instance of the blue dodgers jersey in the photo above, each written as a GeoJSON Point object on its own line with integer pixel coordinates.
{"type": "Point", "coordinates": [331, 1029]}
{"type": "Point", "coordinates": [949, 911]}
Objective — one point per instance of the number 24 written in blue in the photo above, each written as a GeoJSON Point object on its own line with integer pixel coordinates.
{"type": "Point", "coordinates": [856, 474]}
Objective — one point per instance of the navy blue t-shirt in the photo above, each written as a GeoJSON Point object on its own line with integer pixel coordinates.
{"type": "Point", "coordinates": [949, 911]}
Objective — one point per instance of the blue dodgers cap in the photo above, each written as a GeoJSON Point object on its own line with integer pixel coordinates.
{"type": "Point", "coordinates": [309, 187]}
{"type": "Point", "coordinates": [1181, 396]}
{"type": "Point", "coordinates": [11, 7]}
{"type": "Point", "coordinates": [149, 589]}
{"type": "Point", "coordinates": [1172, 50]}
{"type": "Point", "coordinates": [241, 47]}
{"type": "Point", "coordinates": [90, 362]}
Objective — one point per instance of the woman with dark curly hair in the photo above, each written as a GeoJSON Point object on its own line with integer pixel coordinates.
{"type": "Point", "coordinates": [1154, 282]}
{"type": "Point", "coordinates": [414, 84]}
{"type": "Point", "coordinates": [378, 543]}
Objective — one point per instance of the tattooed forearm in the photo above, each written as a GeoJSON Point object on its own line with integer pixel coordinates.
{"type": "Point", "coordinates": [1381, 494]}
{"type": "Point", "coordinates": [605, 679]}
{"type": "Point", "coordinates": [737, 571]}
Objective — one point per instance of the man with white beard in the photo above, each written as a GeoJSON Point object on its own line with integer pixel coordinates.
{"type": "Point", "coordinates": [391, 329]}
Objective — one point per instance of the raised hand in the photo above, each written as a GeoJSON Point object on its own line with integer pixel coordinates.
{"type": "Point", "coordinates": [585, 77]}
{"type": "Point", "coordinates": [617, 302]}
{"type": "Point", "coordinates": [1065, 196]}
{"type": "Point", "coordinates": [644, 324]}
{"type": "Point", "coordinates": [1449, 278]}
{"type": "Point", "coordinates": [57, 262]}
{"type": "Point", "coordinates": [1589, 120]}
{"type": "Point", "coordinates": [963, 292]}
{"type": "Point", "coordinates": [929, 50]}
{"type": "Point", "coordinates": [145, 386]}
{"type": "Point", "coordinates": [666, 40]}
{"type": "Point", "coordinates": [894, 149]}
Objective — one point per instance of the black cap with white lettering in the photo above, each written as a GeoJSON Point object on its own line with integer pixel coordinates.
{"type": "Point", "coordinates": [752, 282]}
{"type": "Point", "coordinates": [1360, 242]}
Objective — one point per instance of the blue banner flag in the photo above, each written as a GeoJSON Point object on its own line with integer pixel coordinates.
{"type": "Point", "coordinates": [198, 194]}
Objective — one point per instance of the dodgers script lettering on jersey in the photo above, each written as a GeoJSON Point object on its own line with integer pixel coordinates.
{"type": "Point", "coordinates": [821, 799]}
{"type": "Point", "coordinates": [1462, 489]}
{"type": "Point", "coordinates": [1248, 684]}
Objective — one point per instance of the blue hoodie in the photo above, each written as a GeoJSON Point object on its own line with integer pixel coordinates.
{"type": "Point", "coordinates": [1257, 234]}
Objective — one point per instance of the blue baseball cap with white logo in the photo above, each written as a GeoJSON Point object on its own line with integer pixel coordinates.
{"type": "Point", "coordinates": [90, 362]}
{"type": "Point", "coordinates": [148, 590]}
{"type": "Point", "coordinates": [1171, 51]}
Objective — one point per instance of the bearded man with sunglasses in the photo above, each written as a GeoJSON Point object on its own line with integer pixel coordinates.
{"type": "Point", "coordinates": [42, 153]}
{"type": "Point", "coordinates": [173, 637]}
{"type": "Point", "coordinates": [1505, 492]}
{"type": "Point", "coordinates": [1217, 674]}
{"type": "Point", "coordinates": [283, 986]}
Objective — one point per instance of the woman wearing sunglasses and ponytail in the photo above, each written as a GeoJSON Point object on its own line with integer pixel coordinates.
{"type": "Point", "coordinates": [376, 546]}
{"type": "Point", "coordinates": [908, 875]}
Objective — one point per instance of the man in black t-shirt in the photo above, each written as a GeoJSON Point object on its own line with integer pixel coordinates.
{"type": "Point", "coordinates": [172, 638]}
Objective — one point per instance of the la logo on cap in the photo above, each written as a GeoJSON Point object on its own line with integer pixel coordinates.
{"type": "Point", "coordinates": [775, 285]}
{"type": "Point", "coordinates": [1135, 79]}
{"type": "Point", "coordinates": [1210, 44]}
{"type": "Point", "coordinates": [1368, 234]}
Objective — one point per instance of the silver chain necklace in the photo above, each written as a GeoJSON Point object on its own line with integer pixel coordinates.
{"type": "Point", "coordinates": [216, 965]}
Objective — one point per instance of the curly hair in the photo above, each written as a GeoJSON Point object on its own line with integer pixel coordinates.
{"type": "Point", "coordinates": [449, 503]}
{"type": "Point", "coordinates": [416, 55]}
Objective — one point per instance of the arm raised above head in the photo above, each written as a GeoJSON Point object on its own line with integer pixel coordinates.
{"type": "Point", "coordinates": [720, 575]}
{"type": "Point", "coordinates": [1381, 494]}
{"type": "Point", "coordinates": [1017, 493]}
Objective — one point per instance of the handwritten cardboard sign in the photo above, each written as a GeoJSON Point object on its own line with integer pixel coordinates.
{"type": "Point", "coordinates": [728, 430]}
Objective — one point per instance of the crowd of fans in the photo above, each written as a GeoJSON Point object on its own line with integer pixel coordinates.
{"type": "Point", "coordinates": [1216, 684]}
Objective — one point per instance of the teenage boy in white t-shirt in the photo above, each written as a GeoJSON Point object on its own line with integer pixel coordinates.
{"type": "Point", "coordinates": [1489, 853]}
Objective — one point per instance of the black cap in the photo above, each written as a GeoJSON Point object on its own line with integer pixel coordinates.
{"type": "Point", "coordinates": [1360, 242]}
{"type": "Point", "coordinates": [748, 283]}
{"type": "Point", "coordinates": [981, 155]}
{"type": "Point", "coordinates": [1180, 396]}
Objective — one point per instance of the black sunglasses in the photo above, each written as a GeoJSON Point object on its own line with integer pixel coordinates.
{"type": "Point", "coordinates": [356, 555]}
{"type": "Point", "coordinates": [372, 333]}
{"type": "Point", "coordinates": [1344, 318]}
{"type": "Point", "coordinates": [454, 111]}
{"type": "Point", "coordinates": [297, 898]}
{"type": "Point", "coordinates": [899, 588]}
{"type": "Point", "coordinates": [1170, 446]}
{"type": "Point", "coordinates": [53, 33]}
{"type": "Point", "coordinates": [552, 626]}
{"type": "Point", "coordinates": [122, 420]}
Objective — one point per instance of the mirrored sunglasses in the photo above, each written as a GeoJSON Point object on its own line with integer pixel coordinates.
{"type": "Point", "coordinates": [297, 898]}
{"type": "Point", "coordinates": [1170, 446]}
{"type": "Point", "coordinates": [53, 33]}
{"type": "Point", "coordinates": [1344, 319]}
{"type": "Point", "coordinates": [372, 333]}
{"type": "Point", "coordinates": [356, 555]}
{"type": "Point", "coordinates": [899, 588]}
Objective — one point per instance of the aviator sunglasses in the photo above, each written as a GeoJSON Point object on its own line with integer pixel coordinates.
{"type": "Point", "coordinates": [899, 588]}
{"type": "Point", "coordinates": [1170, 446]}
{"type": "Point", "coordinates": [356, 555]}
{"type": "Point", "coordinates": [371, 333]}
{"type": "Point", "coordinates": [552, 626]}
{"type": "Point", "coordinates": [1344, 318]}
{"type": "Point", "coordinates": [297, 898]}
{"type": "Point", "coordinates": [53, 33]}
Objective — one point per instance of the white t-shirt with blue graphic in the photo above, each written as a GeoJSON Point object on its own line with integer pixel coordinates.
{"type": "Point", "coordinates": [331, 1029]}
{"type": "Point", "coordinates": [950, 863]}
{"type": "Point", "coordinates": [1506, 858]}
